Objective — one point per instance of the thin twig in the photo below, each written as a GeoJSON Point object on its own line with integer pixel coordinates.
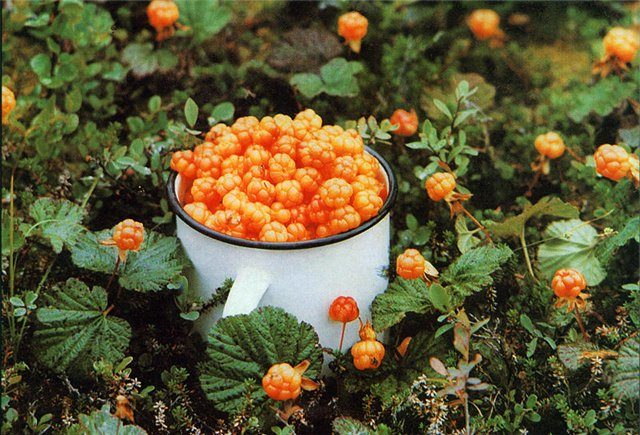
{"type": "Point", "coordinates": [523, 242]}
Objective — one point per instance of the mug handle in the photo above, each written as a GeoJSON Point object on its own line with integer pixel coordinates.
{"type": "Point", "coordinates": [247, 290]}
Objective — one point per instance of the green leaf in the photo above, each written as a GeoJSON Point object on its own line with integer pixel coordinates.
{"type": "Point", "coordinates": [443, 108]}
{"type": "Point", "coordinates": [141, 59]}
{"type": "Point", "coordinates": [338, 77]}
{"type": "Point", "coordinates": [626, 371]}
{"type": "Point", "coordinates": [401, 297]}
{"type": "Point", "coordinates": [158, 262]}
{"type": "Point", "coordinates": [204, 17]}
{"type": "Point", "coordinates": [154, 103]}
{"type": "Point", "coordinates": [572, 245]}
{"type": "Point", "coordinates": [242, 348]}
{"type": "Point", "coordinates": [547, 206]}
{"type": "Point", "coordinates": [571, 355]}
{"type": "Point", "coordinates": [76, 332]}
{"type": "Point", "coordinates": [601, 98]}
{"type": "Point", "coordinates": [73, 100]}
{"type": "Point", "coordinates": [440, 298]}
{"type": "Point", "coordinates": [308, 84]}
{"type": "Point", "coordinates": [351, 426]}
{"type": "Point", "coordinates": [191, 112]}
{"type": "Point", "coordinates": [59, 221]}
{"type": "Point", "coordinates": [223, 111]}
{"type": "Point", "coordinates": [471, 272]}
{"type": "Point", "coordinates": [608, 247]}
{"type": "Point", "coordinates": [466, 237]}
{"type": "Point", "coordinates": [102, 422]}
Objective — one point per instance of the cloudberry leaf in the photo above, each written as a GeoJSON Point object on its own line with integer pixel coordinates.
{"type": "Point", "coordinates": [141, 59]}
{"type": "Point", "coordinates": [351, 426]}
{"type": "Point", "coordinates": [308, 84]}
{"type": "Point", "coordinates": [75, 330]}
{"type": "Point", "coordinates": [626, 371]}
{"type": "Point", "coordinates": [572, 245]}
{"type": "Point", "coordinates": [59, 221]}
{"type": "Point", "coordinates": [601, 98]}
{"type": "Point", "coordinates": [401, 297]}
{"type": "Point", "coordinates": [471, 272]}
{"type": "Point", "coordinates": [608, 247]}
{"type": "Point", "coordinates": [204, 18]}
{"type": "Point", "coordinates": [158, 262]}
{"type": "Point", "coordinates": [338, 77]}
{"type": "Point", "coordinates": [242, 348]}
{"type": "Point", "coordinates": [102, 422]}
{"type": "Point", "coordinates": [547, 206]}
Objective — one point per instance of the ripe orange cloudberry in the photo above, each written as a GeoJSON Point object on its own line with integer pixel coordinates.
{"type": "Point", "coordinates": [204, 190]}
{"type": "Point", "coordinates": [612, 161]}
{"type": "Point", "coordinates": [254, 172]}
{"type": "Point", "coordinates": [274, 232]}
{"type": "Point", "coordinates": [243, 127]}
{"type": "Point", "coordinates": [208, 163]}
{"type": "Point", "coordinates": [256, 155]}
{"type": "Point", "coordinates": [410, 264]}
{"type": "Point", "coordinates": [344, 167]}
{"type": "Point", "coordinates": [162, 14]}
{"type": "Point", "coordinates": [621, 43]}
{"type": "Point", "coordinates": [227, 222]}
{"type": "Point", "coordinates": [8, 103]}
{"type": "Point", "coordinates": [234, 200]}
{"type": "Point", "coordinates": [484, 23]}
{"type": "Point", "coordinates": [283, 382]}
{"type": "Point", "coordinates": [318, 212]}
{"type": "Point", "coordinates": [280, 213]}
{"type": "Point", "coordinates": [364, 182]}
{"type": "Point", "coordinates": [128, 235]}
{"type": "Point", "coordinates": [343, 219]}
{"type": "Point", "coordinates": [439, 185]}
{"type": "Point", "coordinates": [344, 309]}
{"type": "Point", "coordinates": [227, 183]}
{"type": "Point", "coordinates": [309, 179]}
{"type": "Point", "coordinates": [289, 193]}
{"type": "Point", "coordinates": [306, 122]}
{"type": "Point", "coordinates": [300, 214]}
{"type": "Point", "coordinates": [316, 154]}
{"type": "Point", "coordinates": [216, 132]}
{"type": "Point", "coordinates": [368, 352]}
{"type": "Point", "coordinates": [407, 122]}
{"type": "Point", "coordinates": [367, 165]}
{"type": "Point", "coordinates": [297, 232]}
{"type": "Point", "coordinates": [255, 215]}
{"type": "Point", "coordinates": [367, 204]}
{"type": "Point", "coordinates": [550, 145]}
{"type": "Point", "coordinates": [352, 26]}
{"type": "Point", "coordinates": [286, 144]}
{"type": "Point", "coordinates": [568, 283]}
{"type": "Point", "coordinates": [227, 146]}
{"type": "Point", "coordinates": [335, 192]}
{"type": "Point", "coordinates": [182, 162]}
{"type": "Point", "coordinates": [233, 164]}
{"type": "Point", "coordinates": [266, 132]}
{"type": "Point", "coordinates": [281, 167]}
{"type": "Point", "coordinates": [198, 211]}
{"type": "Point", "coordinates": [346, 144]}
{"type": "Point", "coordinates": [261, 191]}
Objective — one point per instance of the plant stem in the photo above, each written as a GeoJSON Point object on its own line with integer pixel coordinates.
{"type": "Point", "coordinates": [90, 192]}
{"type": "Point", "coordinates": [466, 416]}
{"type": "Point", "coordinates": [478, 224]}
{"type": "Point", "coordinates": [580, 324]}
{"type": "Point", "coordinates": [523, 242]}
{"type": "Point", "coordinates": [113, 275]}
{"type": "Point", "coordinates": [12, 265]}
{"type": "Point", "coordinates": [344, 326]}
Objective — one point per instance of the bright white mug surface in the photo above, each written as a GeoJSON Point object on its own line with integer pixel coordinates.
{"type": "Point", "coordinates": [303, 277]}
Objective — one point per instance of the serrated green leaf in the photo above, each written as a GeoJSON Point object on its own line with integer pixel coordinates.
{"type": "Point", "coordinates": [471, 272]}
{"type": "Point", "coordinates": [204, 18]}
{"type": "Point", "coordinates": [338, 77]}
{"type": "Point", "coordinates": [59, 221]}
{"type": "Point", "coordinates": [571, 355]}
{"type": "Point", "coordinates": [626, 371]}
{"type": "Point", "coordinates": [308, 84]}
{"type": "Point", "coordinates": [547, 206]}
{"type": "Point", "coordinates": [601, 98]}
{"type": "Point", "coordinates": [102, 422]}
{"type": "Point", "coordinates": [75, 332]}
{"type": "Point", "coordinates": [351, 426]}
{"type": "Point", "coordinates": [242, 348]}
{"type": "Point", "coordinates": [401, 297]}
{"type": "Point", "coordinates": [607, 248]}
{"type": "Point", "coordinates": [191, 112]}
{"type": "Point", "coordinates": [572, 245]}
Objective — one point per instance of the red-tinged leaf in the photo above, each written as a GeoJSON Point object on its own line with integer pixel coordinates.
{"type": "Point", "coordinates": [438, 366]}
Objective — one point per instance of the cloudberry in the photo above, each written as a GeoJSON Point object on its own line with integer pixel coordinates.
{"type": "Point", "coordinates": [316, 154]}
{"type": "Point", "coordinates": [343, 219]}
{"type": "Point", "coordinates": [550, 145]}
{"type": "Point", "coordinates": [410, 264]}
{"type": "Point", "coordinates": [254, 172]}
{"type": "Point", "coordinates": [281, 167]}
{"type": "Point", "coordinates": [368, 352]}
{"type": "Point", "coordinates": [207, 162]}
{"type": "Point", "coordinates": [309, 119]}
{"type": "Point", "coordinates": [300, 214]}
{"type": "Point", "coordinates": [227, 183]}
{"type": "Point", "coordinates": [352, 26]}
{"type": "Point", "coordinates": [289, 193]}
{"type": "Point", "coordinates": [335, 192]}
{"type": "Point", "coordinates": [261, 191]}
{"type": "Point", "coordinates": [203, 190]}
{"type": "Point", "coordinates": [284, 124]}
{"type": "Point", "coordinates": [128, 235]}
{"type": "Point", "coordinates": [297, 232]}
{"type": "Point", "coordinates": [367, 204]}
{"type": "Point", "coordinates": [242, 129]}
{"type": "Point", "coordinates": [621, 43]}
{"type": "Point", "coordinates": [344, 167]}
{"type": "Point", "coordinates": [439, 185]}
{"type": "Point", "coordinates": [309, 179]}
{"type": "Point", "coordinates": [255, 215]}
{"type": "Point", "coordinates": [407, 122]}
{"type": "Point", "coordinates": [216, 132]}
{"type": "Point", "coordinates": [8, 103]}
{"type": "Point", "coordinates": [226, 222]}
{"type": "Point", "coordinates": [280, 213]}
{"type": "Point", "coordinates": [227, 146]}
{"type": "Point", "coordinates": [612, 161]}
{"type": "Point", "coordinates": [266, 132]}
{"type": "Point", "coordinates": [182, 162]}
{"type": "Point", "coordinates": [256, 155]}
{"type": "Point", "coordinates": [347, 144]}
{"type": "Point", "coordinates": [274, 232]}
{"type": "Point", "coordinates": [162, 13]}
{"type": "Point", "coordinates": [285, 145]}
{"type": "Point", "coordinates": [568, 283]}
{"type": "Point", "coordinates": [367, 165]}
{"type": "Point", "coordinates": [344, 309]}
{"type": "Point", "coordinates": [484, 23]}
{"type": "Point", "coordinates": [234, 200]}
{"type": "Point", "coordinates": [198, 211]}
{"type": "Point", "coordinates": [318, 212]}
{"type": "Point", "coordinates": [233, 164]}
{"type": "Point", "coordinates": [283, 382]}
{"type": "Point", "coordinates": [364, 182]}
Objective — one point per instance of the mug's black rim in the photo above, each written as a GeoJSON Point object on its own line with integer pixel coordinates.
{"type": "Point", "coordinates": [305, 244]}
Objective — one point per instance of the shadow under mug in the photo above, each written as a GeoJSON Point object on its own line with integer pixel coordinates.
{"type": "Point", "coordinates": [301, 277]}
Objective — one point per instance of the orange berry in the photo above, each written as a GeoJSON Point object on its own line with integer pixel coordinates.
{"type": "Point", "coordinates": [289, 193]}
{"type": "Point", "coordinates": [364, 182]}
{"type": "Point", "coordinates": [203, 190]}
{"type": "Point", "coordinates": [285, 145]}
{"type": "Point", "coordinates": [368, 352]}
{"type": "Point", "coordinates": [274, 232]}
{"type": "Point", "coordinates": [162, 13]}
{"type": "Point", "coordinates": [348, 144]}
{"type": "Point", "coordinates": [128, 235]}
{"type": "Point", "coordinates": [410, 264]}
{"type": "Point", "coordinates": [309, 179]}
{"type": "Point", "coordinates": [255, 215]}
{"type": "Point", "coordinates": [344, 309]}
{"type": "Point", "coordinates": [227, 146]}
{"type": "Point", "coordinates": [282, 382]}
{"type": "Point", "coordinates": [198, 211]}
{"type": "Point", "coordinates": [8, 103]}
{"type": "Point", "coordinates": [300, 214]}
{"type": "Point", "coordinates": [227, 183]}
{"type": "Point", "coordinates": [318, 212]}
{"type": "Point", "coordinates": [227, 222]}
{"type": "Point", "coordinates": [261, 191]}
{"type": "Point", "coordinates": [407, 122]}
{"type": "Point", "coordinates": [344, 167]}
{"type": "Point", "coordinates": [550, 145]}
{"type": "Point", "coordinates": [316, 154]}
{"type": "Point", "coordinates": [284, 124]}
{"type": "Point", "coordinates": [280, 213]}
{"type": "Point", "coordinates": [367, 204]}
{"type": "Point", "coordinates": [243, 127]}
{"type": "Point", "coordinates": [256, 155]}
{"type": "Point", "coordinates": [621, 43]}
{"type": "Point", "coordinates": [335, 192]}
{"type": "Point", "coordinates": [612, 161]}
{"type": "Point", "coordinates": [182, 162]}
{"type": "Point", "coordinates": [439, 185]}
{"type": "Point", "coordinates": [306, 122]}
{"type": "Point", "coordinates": [484, 23]}
{"type": "Point", "coordinates": [568, 283]}
{"type": "Point", "coordinates": [343, 219]}
{"type": "Point", "coordinates": [207, 162]}
{"type": "Point", "coordinates": [216, 132]}
{"type": "Point", "coordinates": [352, 26]}
{"type": "Point", "coordinates": [233, 164]}
{"type": "Point", "coordinates": [367, 165]}
{"type": "Point", "coordinates": [254, 172]}
{"type": "Point", "coordinates": [281, 167]}
{"type": "Point", "coordinates": [266, 132]}
{"type": "Point", "coordinates": [298, 232]}
{"type": "Point", "coordinates": [234, 200]}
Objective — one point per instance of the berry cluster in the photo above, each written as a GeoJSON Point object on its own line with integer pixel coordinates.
{"type": "Point", "coordinates": [280, 179]}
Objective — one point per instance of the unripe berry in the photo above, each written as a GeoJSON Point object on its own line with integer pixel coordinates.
{"type": "Point", "coordinates": [484, 23]}
{"type": "Point", "coordinates": [550, 145]}
{"type": "Point", "coordinates": [439, 185]}
{"type": "Point", "coordinates": [612, 161]}
{"type": "Point", "coordinates": [568, 283]}
{"type": "Point", "coordinates": [407, 122]}
{"type": "Point", "coordinates": [410, 264]}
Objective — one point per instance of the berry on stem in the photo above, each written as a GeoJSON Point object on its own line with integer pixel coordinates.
{"type": "Point", "coordinates": [484, 23]}
{"type": "Point", "coordinates": [407, 122]}
{"type": "Point", "coordinates": [162, 15]}
{"type": "Point", "coordinates": [621, 43]}
{"type": "Point", "coordinates": [612, 161]}
{"type": "Point", "coordinates": [352, 26]}
{"type": "Point", "coordinates": [440, 185]}
{"type": "Point", "coordinates": [283, 382]}
{"type": "Point", "coordinates": [128, 235]}
{"type": "Point", "coordinates": [550, 145]}
{"type": "Point", "coordinates": [411, 264]}
{"type": "Point", "coordinates": [343, 309]}
{"type": "Point", "coordinates": [368, 352]}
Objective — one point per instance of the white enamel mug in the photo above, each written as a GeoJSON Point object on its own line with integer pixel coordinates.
{"type": "Point", "coordinates": [302, 277]}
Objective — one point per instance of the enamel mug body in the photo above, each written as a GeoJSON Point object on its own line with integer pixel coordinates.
{"type": "Point", "coordinates": [303, 277]}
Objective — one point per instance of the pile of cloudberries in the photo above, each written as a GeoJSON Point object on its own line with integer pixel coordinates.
{"type": "Point", "coordinates": [280, 179]}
